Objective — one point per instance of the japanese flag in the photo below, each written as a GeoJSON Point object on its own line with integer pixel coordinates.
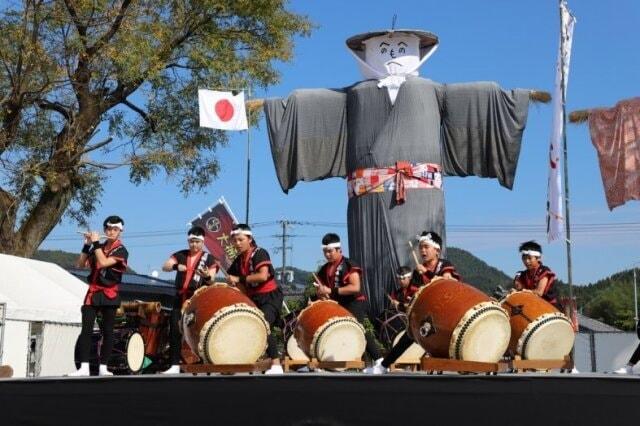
{"type": "Point", "coordinates": [222, 110]}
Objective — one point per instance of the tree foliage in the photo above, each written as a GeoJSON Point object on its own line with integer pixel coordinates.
{"type": "Point", "coordinates": [87, 86]}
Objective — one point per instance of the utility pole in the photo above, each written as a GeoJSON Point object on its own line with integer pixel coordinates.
{"type": "Point", "coordinates": [284, 236]}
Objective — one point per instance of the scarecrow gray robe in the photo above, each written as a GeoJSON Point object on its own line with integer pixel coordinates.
{"type": "Point", "coordinates": [470, 129]}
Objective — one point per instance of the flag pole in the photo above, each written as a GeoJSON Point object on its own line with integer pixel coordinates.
{"type": "Point", "coordinates": [565, 157]}
{"type": "Point", "coordinates": [246, 216]}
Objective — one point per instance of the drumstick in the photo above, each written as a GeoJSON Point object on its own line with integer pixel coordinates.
{"type": "Point", "coordinates": [415, 258]}
{"type": "Point", "coordinates": [317, 282]}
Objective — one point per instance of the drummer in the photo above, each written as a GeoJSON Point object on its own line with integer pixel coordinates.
{"type": "Point", "coordinates": [194, 268]}
{"type": "Point", "coordinates": [252, 269]}
{"type": "Point", "coordinates": [537, 277]}
{"type": "Point", "coordinates": [340, 281]}
{"type": "Point", "coordinates": [402, 295]}
{"type": "Point", "coordinates": [432, 266]}
{"type": "Point", "coordinates": [107, 261]}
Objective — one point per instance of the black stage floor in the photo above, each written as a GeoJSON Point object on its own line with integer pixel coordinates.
{"type": "Point", "coordinates": [323, 399]}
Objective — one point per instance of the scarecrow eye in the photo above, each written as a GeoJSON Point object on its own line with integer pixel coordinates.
{"type": "Point", "coordinates": [401, 49]}
{"type": "Point", "coordinates": [383, 50]}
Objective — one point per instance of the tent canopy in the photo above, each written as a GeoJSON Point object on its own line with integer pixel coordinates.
{"type": "Point", "coordinates": [39, 291]}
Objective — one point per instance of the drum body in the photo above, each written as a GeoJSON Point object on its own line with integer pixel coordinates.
{"type": "Point", "coordinates": [223, 326]}
{"type": "Point", "coordinates": [127, 356]}
{"type": "Point", "coordinates": [538, 329]}
{"type": "Point", "coordinates": [328, 332]}
{"type": "Point", "coordinates": [450, 319]}
{"type": "Point", "coordinates": [153, 328]}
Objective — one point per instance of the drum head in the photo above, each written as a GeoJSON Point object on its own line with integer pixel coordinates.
{"type": "Point", "coordinates": [412, 355]}
{"type": "Point", "coordinates": [482, 334]}
{"type": "Point", "coordinates": [235, 335]}
{"type": "Point", "coordinates": [135, 352]}
{"type": "Point", "coordinates": [339, 339]}
{"type": "Point", "coordinates": [294, 351]}
{"type": "Point", "coordinates": [549, 337]}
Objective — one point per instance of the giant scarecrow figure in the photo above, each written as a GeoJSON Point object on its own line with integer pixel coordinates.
{"type": "Point", "coordinates": [393, 136]}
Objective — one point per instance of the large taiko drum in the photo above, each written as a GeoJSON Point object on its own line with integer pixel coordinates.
{"type": "Point", "coordinates": [538, 329]}
{"type": "Point", "coordinates": [223, 326]}
{"type": "Point", "coordinates": [328, 332]}
{"type": "Point", "coordinates": [450, 319]}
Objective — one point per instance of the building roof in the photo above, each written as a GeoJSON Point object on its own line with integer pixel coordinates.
{"type": "Point", "coordinates": [592, 325]}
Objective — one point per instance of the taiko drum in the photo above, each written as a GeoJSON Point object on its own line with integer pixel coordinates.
{"type": "Point", "coordinates": [223, 326]}
{"type": "Point", "coordinates": [450, 319]}
{"type": "Point", "coordinates": [538, 329]}
{"type": "Point", "coordinates": [328, 332]}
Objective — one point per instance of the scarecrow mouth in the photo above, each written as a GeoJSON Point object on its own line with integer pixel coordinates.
{"type": "Point", "coordinates": [394, 63]}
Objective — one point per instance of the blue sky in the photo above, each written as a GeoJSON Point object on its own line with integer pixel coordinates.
{"type": "Point", "coordinates": [512, 43]}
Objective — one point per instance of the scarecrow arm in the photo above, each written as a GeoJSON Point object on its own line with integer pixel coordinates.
{"type": "Point", "coordinates": [540, 96]}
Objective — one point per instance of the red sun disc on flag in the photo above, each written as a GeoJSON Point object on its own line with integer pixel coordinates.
{"type": "Point", "coordinates": [224, 110]}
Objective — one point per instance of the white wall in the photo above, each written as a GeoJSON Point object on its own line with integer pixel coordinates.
{"type": "Point", "coordinates": [612, 351]}
{"type": "Point", "coordinates": [16, 346]}
{"type": "Point", "coordinates": [57, 349]}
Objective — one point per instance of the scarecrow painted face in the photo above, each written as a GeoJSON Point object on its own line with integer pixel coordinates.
{"type": "Point", "coordinates": [393, 54]}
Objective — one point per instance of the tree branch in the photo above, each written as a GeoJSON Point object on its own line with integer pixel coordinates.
{"type": "Point", "coordinates": [106, 37]}
{"type": "Point", "coordinates": [82, 29]}
{"type": "Point", "coordinates": [96, 146]}
{"type": "Point", "coordinates": [55, 106]}
{"type": "Point", "coordinates": [142, 114]}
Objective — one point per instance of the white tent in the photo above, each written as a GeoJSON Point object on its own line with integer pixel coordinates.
{"type": "Point", "coordinates": [41, 316]}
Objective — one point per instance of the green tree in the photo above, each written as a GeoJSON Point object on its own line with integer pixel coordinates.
{"type": "Point", "coordinates": [87, 86]}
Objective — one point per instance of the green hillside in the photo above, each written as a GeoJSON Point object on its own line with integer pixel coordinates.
{"type": "Point", "coordinates": [476, 272]}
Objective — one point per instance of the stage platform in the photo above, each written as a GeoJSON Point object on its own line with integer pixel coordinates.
{"type": "Point", "coordinates": [323, 399]}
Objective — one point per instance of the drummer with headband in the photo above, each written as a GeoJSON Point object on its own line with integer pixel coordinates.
{"type": "Point", "coordinates": [253, 270]}
{"type": "Point", "coordinates": [194, 268]}
{"type": "Point", "coordinates": [537, 277]}
{"type": "Point", "coordinates": [107, 261]}
{"type": "Point", "coordinates": [432, 266]}
{"type": "Point", "coordinates": [340, 281]}
{"type": "Point", "coordinates": [401, 296]}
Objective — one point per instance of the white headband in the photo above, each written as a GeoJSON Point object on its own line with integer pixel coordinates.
{"type": "Point", "coordinates": [115, 225]}
{"type": "Point", "coordinates": [331, 245]}
{"type": "Point", "coordinates": [195, 237]}
{"type": "Point", "coordinates": [402, 277]}
{"type": "Point", "coordinates": [246, 232]}
{"type": "Point", "coordinates": [426, 239]}
{"type": "Point", "coordinates": [531, 253]}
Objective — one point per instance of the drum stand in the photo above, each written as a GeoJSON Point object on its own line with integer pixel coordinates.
{"type": "Point", "coordinates": [432, 365]}
{"type": "Point", "coordinates": [522, 365]}
{"type": "Point", "coordinates": [258, 367]}
{"type": "Point", "coordinates": [314, 364]}
{"type": "Point", "coordinates": [407, 365]}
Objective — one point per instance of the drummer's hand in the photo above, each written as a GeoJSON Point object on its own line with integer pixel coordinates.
{"type": "Point", "coordinates": [233, 280]}
{"type": "Point", "coordinates": [421, 269]}
{"type": "Point", "coordinates": [323, 290]}
{"type": "Point", "coordinates": [182, 267]}
{"type": "Point", "coordinates": [395, 303]}
{"type": "Point", "coordinates": [94, 236]}
{"type": "Point", "coordinates": [204, 273]}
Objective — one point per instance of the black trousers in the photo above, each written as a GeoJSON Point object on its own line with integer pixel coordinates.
{"type": "Point", "coordinates": [359, 310]}
{"type": "Point", "coordinates": [89, 313]}
{"type": "Point", "coordinates": [635, 357]}
{"type": "Point", "coordinates": [175, 337]}
{"type": "Point", "coordinates": [397, 350]}
{"type": "Point", "coordinates": [270, 304]}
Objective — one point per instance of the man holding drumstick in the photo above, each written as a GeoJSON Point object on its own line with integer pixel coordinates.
{"type": "Point", "coordinates": [340, 281]}
{"type": "Point", "coordinates": [194, 268]}
{"type": "Point", "coordinates": [432, 266]}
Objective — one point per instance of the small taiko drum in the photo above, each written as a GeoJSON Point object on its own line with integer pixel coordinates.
{"type": "Point", "coordinates": [328, 332]}
{"type": "Point", "coordinates": [450, 319]}
{"type": "Point", "coordinates": [538, 329]}
{"type": "Point", "coordinates": [223, 326]}
{"type": "Point", "coordinates": [412, 355]}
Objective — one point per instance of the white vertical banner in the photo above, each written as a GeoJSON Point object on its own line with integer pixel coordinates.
{"type": "Point", "coordinates": [222, 110]}
{"type": "Point", "coordinates": [555, 211]}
